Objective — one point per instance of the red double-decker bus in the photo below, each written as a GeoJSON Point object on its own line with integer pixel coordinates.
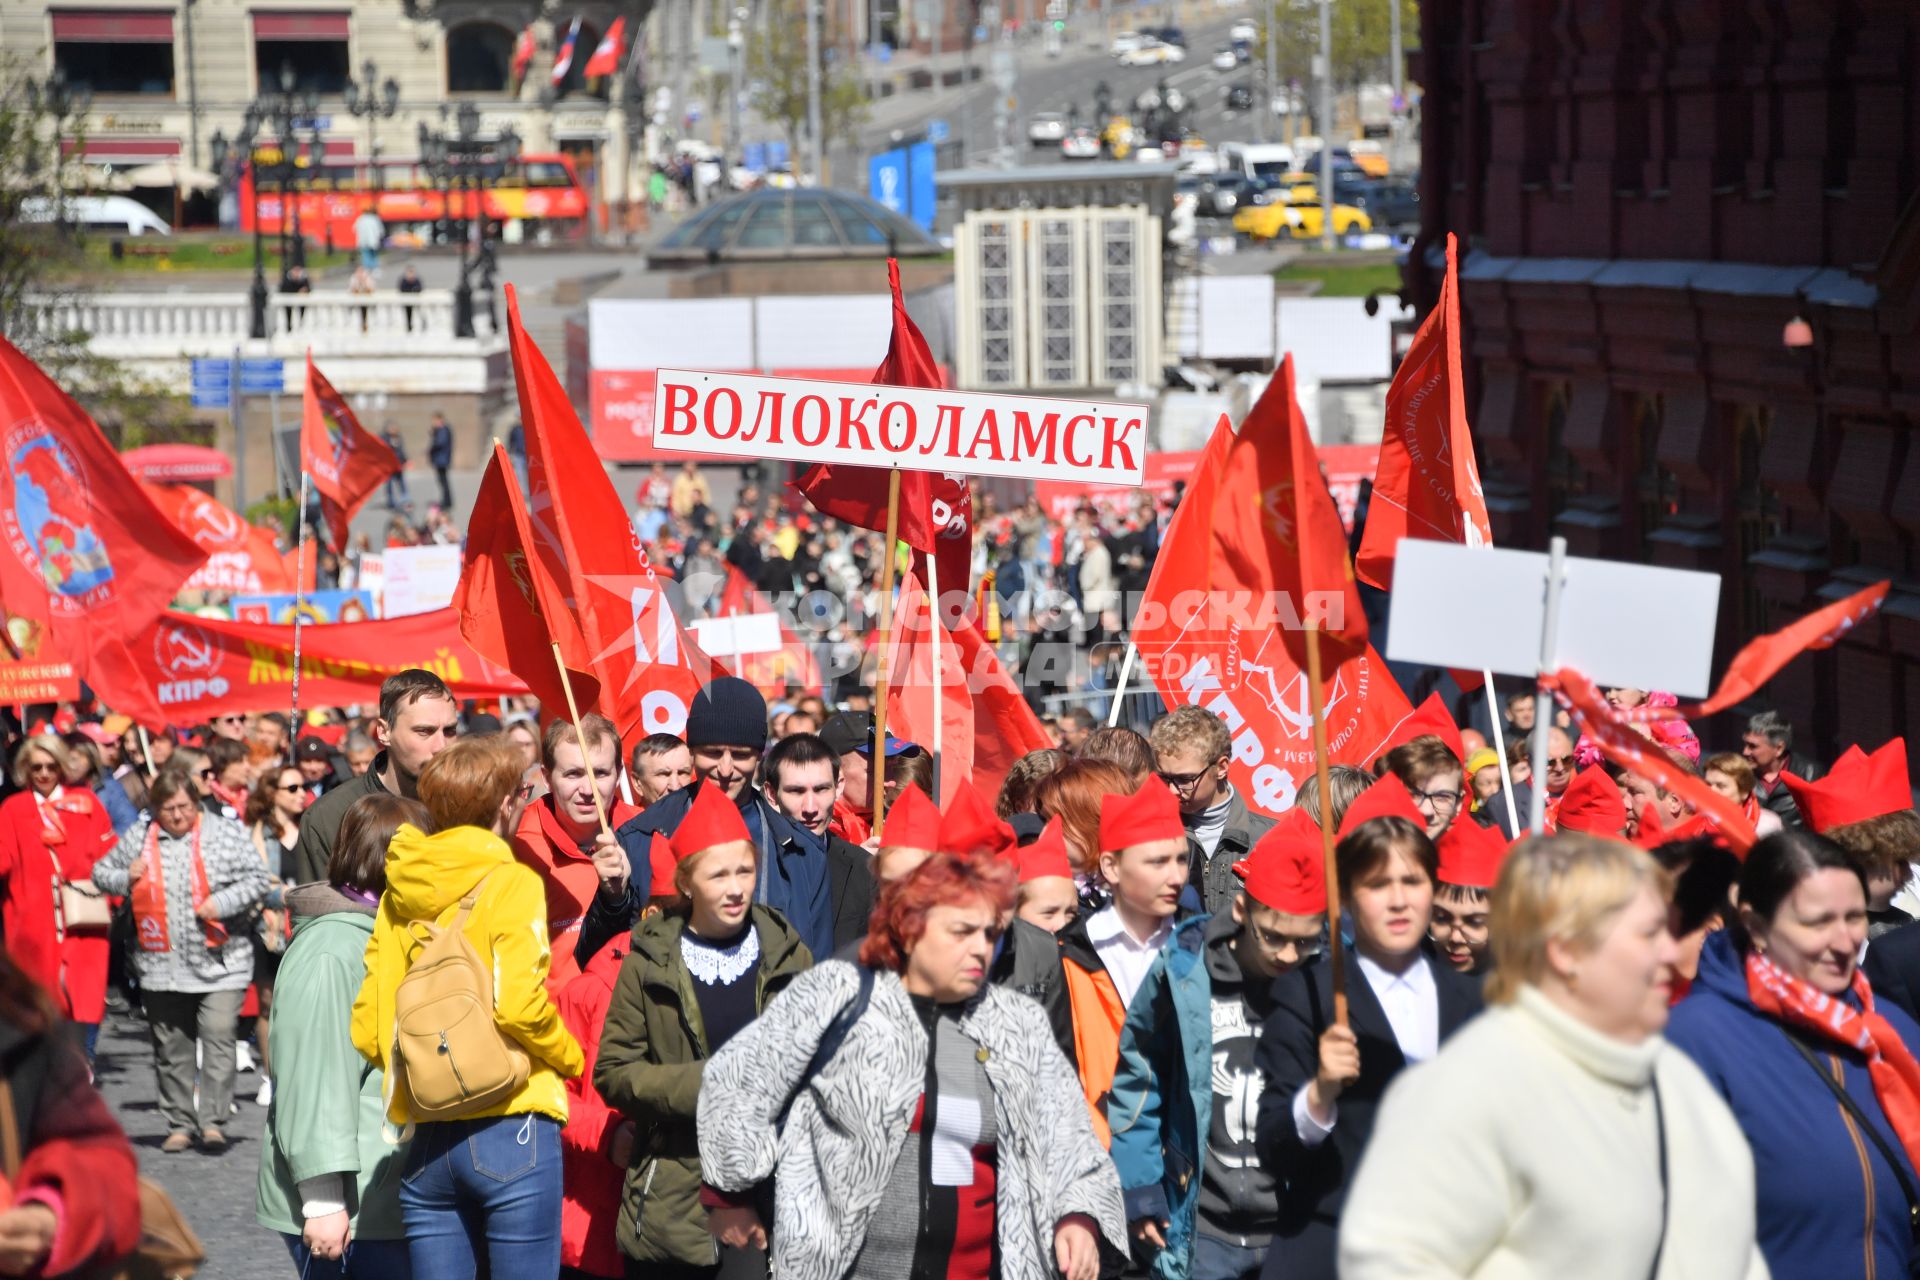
{"type": "Point", "coordinates": [543, 192]}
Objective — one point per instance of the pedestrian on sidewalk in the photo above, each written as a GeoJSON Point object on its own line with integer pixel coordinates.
{"type": "Point", "coordinates": [193, 881]}
{"type": "Point", "coordinates": [397, 497]}
{"type": "Point", "coordinates": [440, 456]}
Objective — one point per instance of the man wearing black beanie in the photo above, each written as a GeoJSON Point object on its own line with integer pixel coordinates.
{"type": "Point", "coordinates": [726, 734]}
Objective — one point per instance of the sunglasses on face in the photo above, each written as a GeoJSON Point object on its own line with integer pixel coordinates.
{"type": "Point", "coordinates": [289, 786]}
{"type": "Point", "coordinates": [1559, 762]}
{"type": "Point", "coordinates": [206, 773]}
{"type": "Point", "coordinates": [43, 766]}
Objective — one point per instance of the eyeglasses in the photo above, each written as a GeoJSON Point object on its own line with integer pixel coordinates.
{"type": "Point", "coordinates": [1442, 801]}
{"type": "Point", "coordinates": [229, 719]}
{"type": "Point", "coordinates": [526, 791]}
{"type": "Point", "coordinates": [290, 786]}
{"type": "Point", "coordinates": [43, 766]}
{"type": "Point", "coordinates": [1185, 781]}
{"type": "Point", "coordinates": [207, 772]}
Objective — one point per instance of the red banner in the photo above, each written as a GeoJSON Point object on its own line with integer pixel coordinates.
{"type": "Point", "coordinates": [241, 560]}
{"type": "Point", "coordinates": [38, 682]}
{"type": "Point", "coordinates": [193, 668]}
{"type": "Point", "coordinates": [1211, 638]}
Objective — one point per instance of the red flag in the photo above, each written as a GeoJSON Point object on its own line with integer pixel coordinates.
{"type": "Point", "coordinates": [606, 55]}
{"type": "Point", "coordinates": [1427, 485]}
{"type": "Point", "coordinates": [858, 495]}
{"type": "Point", "coordinates": [648, 668]}
{"type": "Point", "coordinates": [87, 553]}
{"type": "Point", "coordinates": [345, 460]}
{"type": "Point", "coordinates": [1764, 655]}
{"type": "Point", "coordinates": [1639, 754]}
{"type": "Point", "coordinates": [1276, 533]}
{"type": "Point", "coordinates": [1205, 635]}
{"type": "Point", "coordinates": [522, 53]}
{"type": "Point", "coordinates": [773, 670]}
{"type": "Point", "coordinates": [985, 722]}
{"type": "Point", "coordinates": [183, 669]}
{"type": "Point", "coordinates": [510, 610]}
{"type": "Point", "coordinates": [241, 559]}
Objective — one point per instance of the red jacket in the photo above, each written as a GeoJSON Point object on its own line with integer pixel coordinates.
{"type": "Point", "coordinates": [543, 843]}
{"type": "Point", "coordinates": [593, 1181]}
{"type": "Point", "coordinates": [74, 1157]}
{"type": "Point", "coordinates": [73, 970]}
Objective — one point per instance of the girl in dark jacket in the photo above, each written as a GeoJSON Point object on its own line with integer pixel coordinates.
{"type": "Point", "coordinates": [695, 975]}
{"type": "Point", "coordinates": [1782, 1022]}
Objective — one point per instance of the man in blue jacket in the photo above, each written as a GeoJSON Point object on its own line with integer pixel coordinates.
{"type": "Point", "coordinates": [727, 735]}
{"type": "Point", "coordinates": [1186, 1093]}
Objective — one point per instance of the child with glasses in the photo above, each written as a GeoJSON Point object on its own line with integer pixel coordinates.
{"type": "Point", "coordinates": [1433, 777]}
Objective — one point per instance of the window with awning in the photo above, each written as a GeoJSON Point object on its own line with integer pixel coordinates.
{"type": "Point", "coordinates": [115, 51]}
{"type": "Point", "coordinates": [311, 43]}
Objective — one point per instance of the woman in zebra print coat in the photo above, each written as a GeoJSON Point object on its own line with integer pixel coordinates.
{"type": "Point", "coordinates": [937, 1129]}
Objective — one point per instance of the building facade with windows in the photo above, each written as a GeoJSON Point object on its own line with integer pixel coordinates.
{"type": "Point", "coordinates": [165, 77]}
{"type": "Point", "coordinates": [1691, 295]}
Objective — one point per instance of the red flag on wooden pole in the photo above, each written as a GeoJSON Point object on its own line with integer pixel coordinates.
{"type": "Point", "coordinates": [345, 461]}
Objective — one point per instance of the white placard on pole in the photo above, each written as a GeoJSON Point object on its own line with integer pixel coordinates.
{"type": "Point", "coordinates": [740, 415]}
{"type": "Point", "coordinates": [738, 634]}
{"type": "Point", "coordinates": [1484, 608]}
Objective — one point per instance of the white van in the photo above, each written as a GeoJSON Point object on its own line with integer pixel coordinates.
{"type": "Point", "coordinates": [118, 215]}
{"type": "Point", "coordinates": [1257, 159]}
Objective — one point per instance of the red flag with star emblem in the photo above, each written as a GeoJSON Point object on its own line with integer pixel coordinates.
{"type": "Point", "coordinates": [930, 503]}
{"type": "Point", "coordinates": [345, 461]}
{"type": "Point", "coordinates": [648, 667]}
{"type": "Point", "coordinates": [510, 610]}
{"type": "Point", "coordinates": [1212, 631]}
{"type": "Point", "coordinates": [1276, 531]}
{"type": "Point", "coordinates": [1427, 485]}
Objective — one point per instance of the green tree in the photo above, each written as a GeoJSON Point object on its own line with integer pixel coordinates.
{"type": "Point", "coordinates": [41, 258]}
{"type": "Point", "coordinates": [1362, 39]}
{"type": "Point", "coordinates": [777, 70]}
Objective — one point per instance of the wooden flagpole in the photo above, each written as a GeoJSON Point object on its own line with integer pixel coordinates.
{"type": "Point", "coordinates": [878, 757]}
{"type": "Point", "coordinates": [299, 596]}
{"type": "Point", "coordinates": [580, 737]}
{"type": "Point", "coordinates": [1336, 954]}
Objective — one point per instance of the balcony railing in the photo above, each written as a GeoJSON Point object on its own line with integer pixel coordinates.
{"type": "Point", "coordinates": [158, 326]}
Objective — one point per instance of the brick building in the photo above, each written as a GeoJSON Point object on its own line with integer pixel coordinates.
{"type": "Point", "coordinates": [1650, 192]}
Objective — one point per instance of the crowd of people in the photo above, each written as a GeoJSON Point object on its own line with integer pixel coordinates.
{"type": "Point", "coordinates": [530, 1000]}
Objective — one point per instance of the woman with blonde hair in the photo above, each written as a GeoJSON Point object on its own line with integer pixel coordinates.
{"type": "Point", "coordinates": [696, 975]}
{"type": "Point", "coordinates": [1559, 1134]}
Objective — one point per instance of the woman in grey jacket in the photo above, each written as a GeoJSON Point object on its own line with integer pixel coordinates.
{"type": "Point", "coordinates": [913, 1117]}
{"type": "Point", "coordinates": [194, 883]}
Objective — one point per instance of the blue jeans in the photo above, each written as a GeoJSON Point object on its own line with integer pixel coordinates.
{"type": "Point", "coordinates": [365, 1260]}
{"type": "Point", "coordinates": [1217, 1260]}
{"type": "Point", "coordinates": [484, 1187]}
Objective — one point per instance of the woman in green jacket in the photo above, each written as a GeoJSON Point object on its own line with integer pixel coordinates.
{"type": "Point", "coordinates": [329, 1179]}
{"type": "Point", "coordinates": [695, 975]}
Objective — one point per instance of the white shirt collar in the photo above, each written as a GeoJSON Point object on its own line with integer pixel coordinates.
{"type": "Point", "coordinates": [1104, 927]}
{"type": "Point", "coordinates": [1418, 978]}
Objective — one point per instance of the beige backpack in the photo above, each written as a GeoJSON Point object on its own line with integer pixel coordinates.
{"type": "Point", "coordinates": [448, 1054]}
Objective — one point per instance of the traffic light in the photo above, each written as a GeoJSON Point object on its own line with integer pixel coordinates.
{"type": "Point", "coordinates": [1059, 24]}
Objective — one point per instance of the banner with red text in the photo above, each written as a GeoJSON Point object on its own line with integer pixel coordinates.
{"type": "Point", "coordinates": [193, 668]}
{"type": "Point", "coordinates": [731, 415]}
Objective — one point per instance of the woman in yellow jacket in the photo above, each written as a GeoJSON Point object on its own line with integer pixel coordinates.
{"type": "Point", "coordinates": [487, 1184]}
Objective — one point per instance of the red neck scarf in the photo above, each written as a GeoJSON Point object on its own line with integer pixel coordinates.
{"type": "Point", "coordinates": [1891, 1067]}
{"type": "Point", "coordinates": [235, 798]}
{"type": "Point", "coordinates": [148, 897]}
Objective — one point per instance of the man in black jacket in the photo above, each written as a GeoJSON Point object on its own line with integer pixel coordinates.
{"type": "Point", "coordinates": [801, 778]}
{"type": "Point", "coordinates": [1768, 747]}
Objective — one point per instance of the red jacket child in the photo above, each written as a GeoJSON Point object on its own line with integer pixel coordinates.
{"type": "Point", "coordinates": [593, 1178]}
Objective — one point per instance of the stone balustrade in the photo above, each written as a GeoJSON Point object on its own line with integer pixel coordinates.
{"type": "Point", "coordinates": [182, 325]}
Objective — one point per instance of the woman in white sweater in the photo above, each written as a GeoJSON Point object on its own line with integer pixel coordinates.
{"type": "Point", "coordinates": [1559, 1134]}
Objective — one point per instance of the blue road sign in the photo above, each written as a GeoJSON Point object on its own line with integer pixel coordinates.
{"type": "Point", "coordinates": [776, 155]}
{"type": "Point", "coordinates": [887, 180]}
{"type": "Point", "coordinates": [754, 156]}
{"type": "Point", "coordinates": [920, 185]}
{"type": "Point", "coordinates": [263, 375]}
{"type": "Point", "coordinates": [219, 398]}
{"type": "Point", "coordinates": [937, 131]}
{"type": "Point", "coordinates": [213, 373]}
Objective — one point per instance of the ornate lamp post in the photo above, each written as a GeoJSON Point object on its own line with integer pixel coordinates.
{"type": "Point", "coordinates": [282, 112]}
{"type": "Point", "coordinates": [363, 100]}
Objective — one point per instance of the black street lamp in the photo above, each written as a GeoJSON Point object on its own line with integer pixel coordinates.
{"type": "Point", "coordinates": [61, 101]}
{"type": "Point", "coordinates": [461, 162]}
{"type": "Point", "coordinates": [364, 100]}
{"type": "Point", "coordinates": [280, 164]}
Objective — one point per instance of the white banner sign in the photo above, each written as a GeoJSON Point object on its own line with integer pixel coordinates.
{"type": "Point", "coordinates": [738, 415]}
{"type": "Point", "coordinates": [419, 579]}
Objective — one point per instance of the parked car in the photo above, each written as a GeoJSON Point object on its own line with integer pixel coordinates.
{"type": "Point", "coordinates": [1307, 220]}
{"type": "Point", "coordinates": [1046, 128]}
{"type": "Point", "coordinates": [1239, 97]}
{"type": "Point", "coordinates": [1265, 221]}
{"type": "Point", "coordinates": [118, 215]}
{"type": "Point", "coordinates": [1390, 202]}
{"type": "Point", "coordinates": [1171, 35]}
{"type": "Point", "coordinates": [1224, 58]}
{"type": "Point", "coordinates": [1125, 42]}
{"type": "Point", "coordinates": [1080, 144]}
{"type": "Point", "coordinates": [1243, 30]}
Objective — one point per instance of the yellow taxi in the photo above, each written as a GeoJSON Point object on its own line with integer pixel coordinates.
{"type": "Point", "coordinates": [1265, 221]}
{"type": "Point", "coordinates": [1308, 221]}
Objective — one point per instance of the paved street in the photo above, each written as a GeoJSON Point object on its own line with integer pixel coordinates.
{"type": "Point", "coordinates": [214, 1192]}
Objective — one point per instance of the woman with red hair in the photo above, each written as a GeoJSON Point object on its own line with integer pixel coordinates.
{"type": "Point", "coordinates": [999, 1162]}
